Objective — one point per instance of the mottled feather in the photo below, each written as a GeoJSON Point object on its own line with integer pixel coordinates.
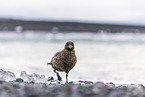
{"type": "Point", "coordinates": [64, 60]}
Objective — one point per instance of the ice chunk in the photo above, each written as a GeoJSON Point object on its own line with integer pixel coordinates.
{"type": "Point", "coordinates": [38, 77]}
{"type": "Point", "coordinates": [7, 75]}
{"type": "Point", "coordinates": [32, 77]}
{"type": "Point", "coordinates": [26, 77]}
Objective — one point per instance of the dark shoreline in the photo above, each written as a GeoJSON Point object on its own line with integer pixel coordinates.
{"type": "Point", "coordinates": [98, 89]}
{"type": "Point", "coordinates": [11, 24]}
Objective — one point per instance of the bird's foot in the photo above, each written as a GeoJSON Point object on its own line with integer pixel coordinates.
{"type": "Point", "coordinates": [58, 76]}
{"type": "Point", "coordinates": [66, 83]}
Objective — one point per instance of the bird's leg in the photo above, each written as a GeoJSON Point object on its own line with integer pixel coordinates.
{"type": "Point", "coordinates": [66, 78]}
{"type": "Point", "coordinates": [58, 76]}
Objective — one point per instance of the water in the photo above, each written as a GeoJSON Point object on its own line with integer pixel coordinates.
{"type": "Point", "coordinates": [118, 57]}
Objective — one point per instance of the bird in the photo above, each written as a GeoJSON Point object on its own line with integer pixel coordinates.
{"type": "Point", "coordinates": [64, 60]}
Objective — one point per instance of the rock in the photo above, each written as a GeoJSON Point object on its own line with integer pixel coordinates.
{"type": "Point", "coordinates": [85, 91]}
{"type": "Point", "coordinates": [135, 91]}
{"type": "Point", "coordinates": [85, 82]}
{"type": "Point", "coordinates": [120, 91]}
{"type": "Point", "coordinates": [7, 90]}
{"type": "Point", "coordinates": [50, 78]}
{"type": "Point", "coordinates": [19, 80]}
{"type": "Point", "coordinates": [101, 89]}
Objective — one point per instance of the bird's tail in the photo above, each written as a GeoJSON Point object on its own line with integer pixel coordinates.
{"type": "Point", "coordinates": [49, 63]}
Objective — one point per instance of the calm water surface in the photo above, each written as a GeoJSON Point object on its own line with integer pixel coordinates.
{"type": "Point", "coordinates": [116, 57]}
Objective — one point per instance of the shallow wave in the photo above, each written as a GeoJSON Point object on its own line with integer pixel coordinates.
{"type": "Point", "coordinates": [76, 36]}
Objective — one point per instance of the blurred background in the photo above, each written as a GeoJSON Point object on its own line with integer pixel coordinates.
{"type": "Point", "coordinates": [108, 35]}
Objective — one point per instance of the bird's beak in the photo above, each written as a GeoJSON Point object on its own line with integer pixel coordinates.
{"type": "Point", "coordinates": [70, 46]}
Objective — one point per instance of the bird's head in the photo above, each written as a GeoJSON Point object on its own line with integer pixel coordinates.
{"type": "Point", "coordinates": [69, 46]}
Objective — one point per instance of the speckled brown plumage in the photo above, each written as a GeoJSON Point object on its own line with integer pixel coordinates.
{"type": "Point", "coordinates": [64, 60]}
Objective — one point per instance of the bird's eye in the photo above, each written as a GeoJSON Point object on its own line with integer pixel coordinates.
{"type": "Point", "coordinates": [67, 43]}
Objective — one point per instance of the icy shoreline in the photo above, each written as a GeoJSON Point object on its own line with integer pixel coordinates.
{"type": "Point", "coordinates": [36, 85]}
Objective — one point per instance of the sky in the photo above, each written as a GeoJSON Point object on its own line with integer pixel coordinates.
{"type": "Point", "coordinates": [104, 11]}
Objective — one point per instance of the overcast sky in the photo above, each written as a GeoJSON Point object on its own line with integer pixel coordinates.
{"type": "Point", "coordinates": [108, 11]}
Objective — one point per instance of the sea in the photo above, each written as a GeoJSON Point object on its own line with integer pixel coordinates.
{"type": "Point", "coordinates": [107, 57]}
